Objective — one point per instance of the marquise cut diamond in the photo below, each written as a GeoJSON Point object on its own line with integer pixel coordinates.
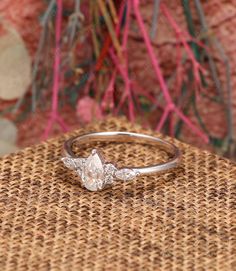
{"type": "Point", "coordinates": [126, 174]}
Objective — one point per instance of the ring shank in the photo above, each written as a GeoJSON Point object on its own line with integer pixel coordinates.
{"type": "Point", "coordinates": [129, 137]}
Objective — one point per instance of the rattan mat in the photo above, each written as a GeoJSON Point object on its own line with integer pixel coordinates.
{"type": "Point", "coordinates": [181, 220]}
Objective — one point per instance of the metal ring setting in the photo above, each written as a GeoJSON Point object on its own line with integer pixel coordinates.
{"type": "Point", "coordinates": [96, 173]}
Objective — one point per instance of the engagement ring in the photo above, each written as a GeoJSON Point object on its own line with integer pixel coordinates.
{"type": "Point", "coordinates": [96, 173]}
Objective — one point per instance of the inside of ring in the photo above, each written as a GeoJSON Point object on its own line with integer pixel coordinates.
{"type": "Point", "coordinates": [124, 137]}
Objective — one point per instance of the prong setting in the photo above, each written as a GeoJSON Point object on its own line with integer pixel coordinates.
{"type": "Point", "coordinates": [95, 174]}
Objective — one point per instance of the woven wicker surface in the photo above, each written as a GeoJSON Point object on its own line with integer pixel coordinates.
{"type": "Point", "coordinates": [181, 220]}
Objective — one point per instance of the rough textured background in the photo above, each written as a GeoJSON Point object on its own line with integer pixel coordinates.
{"type": "Point", "coordinates": [182, 220]}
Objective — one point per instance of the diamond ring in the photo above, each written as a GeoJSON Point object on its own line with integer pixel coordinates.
{"type": "Point", "coordinates": [96, 173]}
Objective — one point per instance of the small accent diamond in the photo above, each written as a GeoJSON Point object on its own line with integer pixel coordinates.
{"type": "Point", "coordinates": [109, 171]}
{"type": "Point", "coordinates": [73, 163]}
{"type": "Point", "coordinates": [126, 174]}
{"type": "Point", "coordinates": [69, 162]}
{"type": "Point", "coordinates": [80, 162]}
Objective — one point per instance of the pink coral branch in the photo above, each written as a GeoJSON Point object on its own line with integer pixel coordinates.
{"type": "Point", "coordinates": [163, 118]}
{"type": "Point", "coordinates": [109, 92]}
{"type": "Point", "coordinates": [121, 103]}
{"type": "Point", "coordinates": [150, 50]}
{"type": "Point", "coordinates": [122, 67]}
{"type": "Point", "coordinates": [127, 92]}
{"type": "Point", "coordinates": [170, 105]}
{"type": "Point", "coordinates": [192, 126]}
{"type": "Point", "coordinates": [54, 117]}
{"type": "Point", "coordinates": [126, 28]}
{"type": "Point", "coordinates": [197, 68]}
{"type": "Point", "coordinates": [179, 70]}
{"type": "Point", "coordinates": [111, 84]}
{"type": "Point", "coordinates": [126, 72]}
{"type": "Point", "coordinates": [121, 12]}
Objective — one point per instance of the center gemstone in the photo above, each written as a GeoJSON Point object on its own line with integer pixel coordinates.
{"type": "Point", "coordinates": [93, 174]}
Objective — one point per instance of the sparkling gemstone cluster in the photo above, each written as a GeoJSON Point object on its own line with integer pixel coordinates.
{"type": "Point", "coordinates": [95, 173]}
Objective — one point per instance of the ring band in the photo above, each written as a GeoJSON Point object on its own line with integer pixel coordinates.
{"type": "Point", "coordinates": [96, 173]}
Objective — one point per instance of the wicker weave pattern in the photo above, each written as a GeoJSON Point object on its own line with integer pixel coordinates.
{"type": "Point", "coordinates": [181, 220]}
